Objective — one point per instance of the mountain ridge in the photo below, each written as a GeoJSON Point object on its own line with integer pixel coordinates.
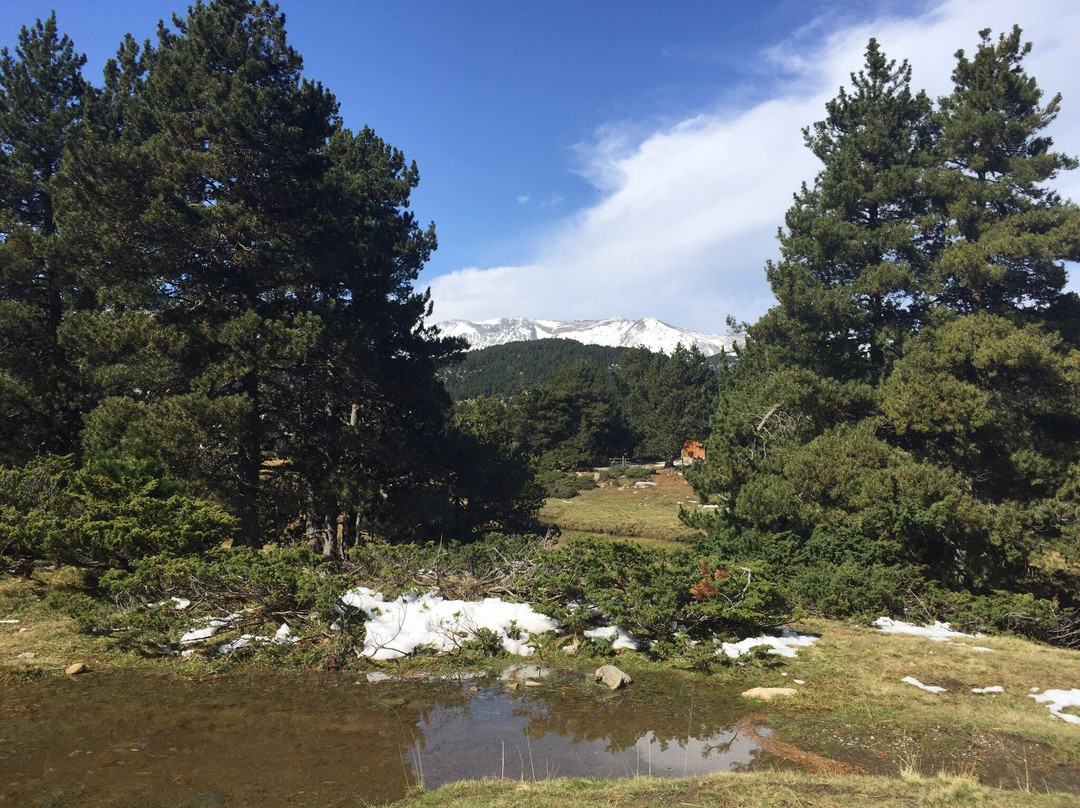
{"type": "Point", "coordinates": [611, 331]}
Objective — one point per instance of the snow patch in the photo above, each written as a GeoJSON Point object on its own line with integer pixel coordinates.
{"type": "Point", "coordinates": [980, 691]}
{"type": "Point", "coordinates": [938, 631]}
{"type": "Point", "coordinates": [283, 636]}
{"type": "Point", "coordinates": [911, 680]}
{"type": "Point", "coordinates": [212, 626]}
{"type": "Point", "coordinates": [397, 628]}
{"type": "Point", "coordinates": [173, 603]}
{"type": "Point", "coordinates": [1058, 700]}
{"type": "Point", "coordinates": [784, 645]}
{"type": "Point", "coordinates": [614, 635]}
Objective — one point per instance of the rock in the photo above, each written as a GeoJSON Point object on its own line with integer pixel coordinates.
{"type": "Point", "coordinates": [644, 484]}
{"type": "Point", "coordinates": [26, 655]}
{"type": "Point", "coordinates": [76, 668]}
{"type": "Point", "coordinates": [769, 693]}
{"type": "Point", "coordinates": [612, 677]}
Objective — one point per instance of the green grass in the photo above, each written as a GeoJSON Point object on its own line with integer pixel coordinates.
{"type": "Point", "coordinates": [648, 516]}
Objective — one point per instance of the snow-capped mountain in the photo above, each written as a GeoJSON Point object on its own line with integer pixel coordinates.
{"type": "Point", "coordinates": [614, 331]}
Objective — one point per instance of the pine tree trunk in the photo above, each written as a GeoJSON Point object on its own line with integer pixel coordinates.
{"type": "Point", "coordinates": [250, 465]}
{"type": "Point", "coordinates": [330, 546]}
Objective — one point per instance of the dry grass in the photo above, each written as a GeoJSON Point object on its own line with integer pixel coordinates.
{"type": "Point", "coordinates": [756, 790]}
{"type": "Point", "coordinates": [648, 516]}
{"type": "Point", "coordinates": [854, 705]}
{"type": "Point", "coordinates": [46, 640]}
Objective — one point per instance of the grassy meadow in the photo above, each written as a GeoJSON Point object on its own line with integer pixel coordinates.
{"type": "Point", "coordinates": [618, 511]}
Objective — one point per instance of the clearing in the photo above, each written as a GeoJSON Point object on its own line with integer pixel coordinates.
{"type": "Point", "coordinates": [620, 511]}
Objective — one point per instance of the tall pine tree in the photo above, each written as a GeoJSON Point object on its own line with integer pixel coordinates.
{"type": "Point", "coordinates": [222, 204]}
{"type": "Point", "coordinates": [1008, 231]}
{"type": "Point", "coordinates": [41, 101]}
{"type": "Point", "coordinates": [854, 250]}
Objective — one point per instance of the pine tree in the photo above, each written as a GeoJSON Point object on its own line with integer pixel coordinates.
{"type": "Point", "coordinates": [41, 99]}
{"type": "Point", "coordinates": [854, 247]}
{"type": "Point", "coordinates": [910, 400]}
{"type": "Point", "coordinates": [221, 200]}
{"type": "Point", "coordinates": [1008, 232]}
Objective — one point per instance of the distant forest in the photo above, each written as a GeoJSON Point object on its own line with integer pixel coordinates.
{"type": "Point", "coordinates": [499, 371]}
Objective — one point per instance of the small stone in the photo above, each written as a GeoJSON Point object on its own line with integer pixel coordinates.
{"type": "Point", "coordinates": [76, 668]}
{"type": "Point", "coordinates": [532, 683]}
{"type": "Point", "coordinates": [769, 693]}
{"type": "Point", "coordinates": [26, 655]}
{"type": "Point", "coordinates": [612, 677]}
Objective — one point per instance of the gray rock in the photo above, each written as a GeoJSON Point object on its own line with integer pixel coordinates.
{"type": "Point", "coordinates": [612, 677]}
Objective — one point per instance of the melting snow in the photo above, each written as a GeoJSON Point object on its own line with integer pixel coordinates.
{"type": "Point", "coordinates": [911, 680]}
{"type": "Point", "coordinates": [615, 635]}
{"type": "Point", "coordinates": [173, 603]}
{"type": "Point", "coordinates": [212, 627]}
{"type": "Point", "coordinates": [396, 628]}
{"type": "Point", "coordinates": [784, 645]}
{"type": "Point", "coordinates": [938, 631]}
{"type": "Point", "coordinates": [282, 636]}
{"type": "Point", "coordinates": [979, 691]}
{"type": "Point", "coordinates": [1058, 700]}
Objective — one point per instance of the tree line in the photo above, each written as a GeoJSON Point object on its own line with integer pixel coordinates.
{"type": "Point", "coordinates": [581, 413]}
{"type": "Point", "coordinates": [909, 411]}
{"type": "Point", "coordinates": [499, 371]}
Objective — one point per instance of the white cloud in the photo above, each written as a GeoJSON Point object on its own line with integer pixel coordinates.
{"type": "Point", "coordinates": [689, 212]}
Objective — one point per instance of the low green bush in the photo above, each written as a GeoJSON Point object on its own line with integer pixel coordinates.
{"type": "Point", "coordinates": [563, 485]}
{"type": "Point", "coordinates": [647, 592]}
{"type": "Point", "coordinates": [617, 474]}
{"type": "Point", "coordinates": [111, 512]}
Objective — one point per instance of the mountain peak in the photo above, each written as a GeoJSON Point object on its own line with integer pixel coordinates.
{"type": "Point", "coordinates": [614, 331]}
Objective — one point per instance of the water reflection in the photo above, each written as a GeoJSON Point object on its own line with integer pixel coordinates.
{"type": "Point", "coordinates": [152, 740]}
{"type": "Point", "coordinates": [563, 727]}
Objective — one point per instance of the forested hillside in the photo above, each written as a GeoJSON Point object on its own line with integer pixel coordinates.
{"type": "Point", "coordinates": [499, 371]}
{"type": "Point", "coordinates": [582, 413]}
{"type": "Point", "coordinates": [906, 420]}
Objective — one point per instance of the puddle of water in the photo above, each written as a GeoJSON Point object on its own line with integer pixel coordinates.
{"type": "Point", "coordinates": [128, 738]}
{"type": "Point", "coordinates": [506, 735]}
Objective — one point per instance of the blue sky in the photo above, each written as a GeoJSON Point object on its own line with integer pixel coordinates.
{"type": "Point", "coordinates": [584, 160]}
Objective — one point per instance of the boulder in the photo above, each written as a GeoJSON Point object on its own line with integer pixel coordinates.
{"type": "Point", "coordinates": [76, 668]}
{"type": "Point", "coordinates": [769, 693]}
{"type": "Point", "coordinates": [612, 677]}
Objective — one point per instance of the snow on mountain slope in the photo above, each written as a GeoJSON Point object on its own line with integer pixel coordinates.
{"type": "Point", "coordinates": [613, 331]}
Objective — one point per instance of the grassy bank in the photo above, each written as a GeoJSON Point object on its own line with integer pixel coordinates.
{"type": "Point", "coordinates": [756, 790]}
